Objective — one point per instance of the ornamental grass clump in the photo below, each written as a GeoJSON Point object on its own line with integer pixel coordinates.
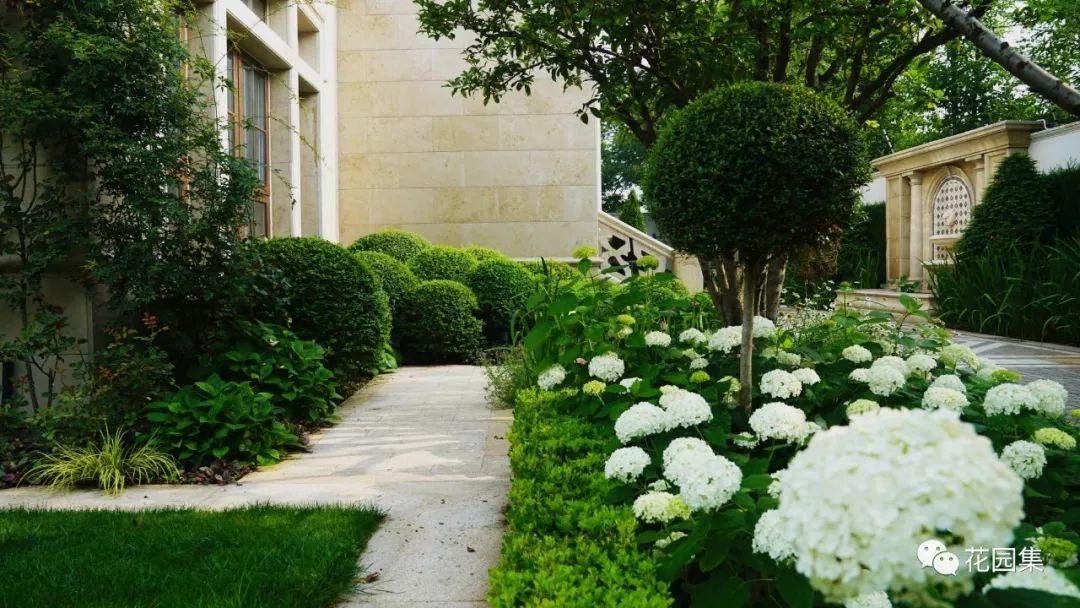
{"type": "Point", "coordinates": [110, 464]}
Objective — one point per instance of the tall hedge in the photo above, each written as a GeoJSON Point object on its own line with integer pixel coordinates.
{"type": "Point", "coordinates": [332, 299]}
{"type": "Point", "coordinates": [1016, 210]}
{"type": "Point", "coordinates": [1063, 187]}
{"type": "Point", "coordinates": [438, 323]}
{"type": "Point", "coordinates": [442, 263]}
{"type": "Point", "coordinates": [395, 243]}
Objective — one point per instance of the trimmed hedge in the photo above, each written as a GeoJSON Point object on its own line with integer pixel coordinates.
{"type": "Point", "coordinates": [438, 323]}
{"type": "Point", "coordinates": [485, 254]}
{"type": "Point", "coordinates": [1063, 186]}
{"type": "Point", "coordinates": [332, 299]}
{"type": "Point", "coordinates": [1015, 211]}
{"type": "Point", "coordinates": [395, 278]}
{"type": "Point", "coordinates": [560, 270]}
{"type": "Point", "coordinates": [442, 263]}
{"type": "Point", "coordinates": [566, 546]}
{"type": "Point", "coordinates": [501, 287]}
{"type": "Point", "coordinates": [395, 243]}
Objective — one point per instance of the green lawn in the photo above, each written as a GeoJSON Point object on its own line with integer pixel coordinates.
{"type": "Point", "coordinates": [244, 558]}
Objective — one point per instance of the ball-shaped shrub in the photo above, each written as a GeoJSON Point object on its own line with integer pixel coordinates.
{"type": "Point", "coordinates": [501, 287]}
{"type": "Point", "coordinates": [442, 263]}
{"type": "Point", "coordinates": [754, 168]}
{"type": "Point", "coordinates": [438, 323]}
{"type": "Point", "coordinates": [483, 254]}
{"type": "Point", "coordinates": [662, 288]}
{"type": "Point", "coordinates": [395, 243]}
{"type": "Point", "coordinates": [395, 278]}
{"type": "Point", "coordinates": [559, 270]}
{"type": "Point", "coordinates": [332, 299]}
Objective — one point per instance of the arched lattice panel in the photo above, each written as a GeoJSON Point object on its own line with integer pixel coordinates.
{"type": "Point", "coordinates": [952, 211]}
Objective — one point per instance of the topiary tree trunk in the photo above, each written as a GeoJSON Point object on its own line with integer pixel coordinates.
{"type": "Point", "coordinates": [753, 270]}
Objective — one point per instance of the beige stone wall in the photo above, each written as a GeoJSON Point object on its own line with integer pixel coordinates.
{"type": "Point", "coordinates": [521, 176]}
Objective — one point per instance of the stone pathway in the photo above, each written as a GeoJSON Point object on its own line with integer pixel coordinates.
{"type": "Point", "coordinates": [422, 445]}
{"type": "Point", "coordinates": [1034, 360]}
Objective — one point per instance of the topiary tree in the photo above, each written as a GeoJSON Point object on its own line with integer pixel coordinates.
{"type": "Point", "coordinates": [501, 287]}
{"type": "Point", "coordinates": [332, 299]}
{"type": "Point", "coordinates": [483, 254]}
{"type": "Point", "coordinates": [1016, 210]}
{"type": "Point", "coordinates": [438, 323]}
{"type": "Point", "coordinates": [442, 263]}
{"type": "Point", "coordinates": [746, 174]}
{"type": "Point", "coordinates": [395, 278]}
{"type": "Point", "coordinates": [630, 211]}
{"type": "Point", "coordinates": [393, 242]}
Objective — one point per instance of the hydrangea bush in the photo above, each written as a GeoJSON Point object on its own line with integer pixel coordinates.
{"type": "Point", "coordinates": [866, 437]}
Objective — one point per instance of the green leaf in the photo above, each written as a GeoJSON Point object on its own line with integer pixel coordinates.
{"type": "Point", "coordinates": [538, 335]}
{"type": "Point", "coordinates": [720, 592]}
{"type": "Point", "coordinates": [564, 304]}
{"type": "Point", "coordinates": [757, 482]}
{"type": "Point", "coordinates": [794, 589]}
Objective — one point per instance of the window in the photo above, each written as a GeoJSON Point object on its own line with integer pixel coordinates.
{"type": "Point", "coordinates": [951, 214]}
{"type": "Point", "coordinates": [249, 132]}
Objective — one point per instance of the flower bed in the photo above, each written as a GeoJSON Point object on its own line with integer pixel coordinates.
{"type": "Point", "coordinates": [866, 439]}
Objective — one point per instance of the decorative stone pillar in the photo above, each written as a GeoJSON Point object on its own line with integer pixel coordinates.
{"type": "Point", "coordinates": [915, 244]}
{"type": "Point", "coordinates": [980, 180]}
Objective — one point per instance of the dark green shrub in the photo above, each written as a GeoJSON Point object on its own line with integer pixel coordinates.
{"type": "Point", "coordinates": [662, 287]}
{"type": "Point", "coordinates": [483, 254]}
{"type": "Point", "coordinates": [1016, 210]}
{"type": "Point", "coordinates": [394, 276]}
{"type": "Point", "coordinates": [1063, 187]}
{"type": "Point", "coordinates": [395, 243]}
{"type": "Point", "coordinates": [334, 300]}
{"type": "Point", "coordinates": [275, 361]}
{"type": "Point", "coordinates": [566, 544]}
{"type": "Point", "coordinates": [215, 419]}
{"type": "Point", "coordinates": [630, 211]}
{"type": "Point", "coordinates": [554, 268]}
{"type": "Point", "coordinates": [501, 288]}
{"type": "Point", "coordinates": [1028, 292]}
{"type": "Point", "coordinates": [438, 323]}
{"type": "Point", "coordinates": [442, 263]}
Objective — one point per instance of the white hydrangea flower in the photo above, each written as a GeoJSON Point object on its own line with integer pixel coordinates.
{"type": "Point", "coordinates": [763, 328]}
{"type": "Point", "coordinates": [690, 353]}
{"type": "Point", "coordinates": [950, 381]}
{"type": "Point", "coordinates": [861, 374]}
{"type": "Point", "coordinates": [692, 336]}
{"type": "Point", "coordinates": [769, 539]}
{"type": "Point", "coordinates": [857, 354]}
{"type": "Point", "coordinates": [876, 599]}
{"type": "Point", "coordinates": [839, 512]}
{"type": "Point", "coordinates": [1048, 579]}
{"type": "Point", "coordinates": [747, 441]}
{"type": "Point", "coordinates": [642, 419]}
{"type": "Point", "coordinates": [660, 508]}
{"type": "Point", "coordinates": [710, 483]}
{"type": "Point", "coordinates": [780, 421]}
{"type": "Point", "coordinates": [862, 406]}
{"type": "Point", "coordinates": [607, 367]}
{"type": "Point", "coordinates": [985, 368]}
{"type": "Point", "coordinates": [699, 363]}
{"type": "Point", "coordinates": [629, 382]}
{"type": "Point", "coordinates": [685, 409]}
{"type": "Point", "coordinates": [782, 357]}
{"type": "Point", "coordinates": [887, 347]}
{"type": "Point", "coordinates": [551, 377]}
{"type": "Point", "coordinates": [663, 543]}
{"type": "Point", "coordinates": [726, 339]}
{"type": "Point", "coordinates": [669, 389]}
{"type": "Point", "coordinates": [626, 464]}
{"type": "Point", "coordinates": [780, 384]}
{"type": "Point", "coordinates": [939, 397]}
{"type": "Point", "coordinates": [684, 454]}
{"type": "Point", "coordinates": [1026, 458]}
{"type": "Point", "coordinates": [885, 380]}
{"type": "Point", "coordinates": [920, 364]}
{"type": "Point", "coordinates": [1009, 399]}
{"type": "Point", "coordinates": [1055, 438]}
{"type": "Point", "coordinates": [657, 338]}
{"type": "Point", "coordinates": [954, 354]}
{"type": "Point", "coordinates": [890, 361]}
{"type": "Point", "coordinates": [1051, 397]}
{"type": "Point", "coordinates": [806, 376]}
{"type": "Point", "coordinates": [660, 485]}
{"type": "Point", "coordinates": [774, 487]}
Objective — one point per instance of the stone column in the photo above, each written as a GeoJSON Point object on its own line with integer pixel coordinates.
{"type": "Point", "coordinates": [915, 246]}
{"type": "Point", "coordinates": [980, 181]}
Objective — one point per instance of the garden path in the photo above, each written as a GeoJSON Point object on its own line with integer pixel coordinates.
{"type": "Point", "coordinates": [1033, 360]}
{"type": "Point", "coordinates": [420, 443]}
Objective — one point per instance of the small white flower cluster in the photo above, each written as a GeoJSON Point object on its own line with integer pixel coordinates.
{"type": "Point", "coordinates": [885, 380]}
{"type": "Point", "coordinates": [949, 381]}
{"type": "Point", "coordinates": [699, 363]}
{"type": "Point", "coordinates": [857, 354]}
{"type": "Point", "coordinates": [726, 339]}
{"type": "Point", "coordinates": [877, 599]}
{"type": "Point", "coordinates": [985, 368]}
{"type": "Point", "coordinates": [770, 539]}
{"type": "Point", "coordinates": [920, 363]}
{"type": "Point", "coordinates": [806, 376]}
{"type": "Point", "coordinates": [706, 480]}
{"type": "Point", "coordinates": [780, 384]}
{"type": "Point", "coordinates": [955, 354]}
{"type": "Point", "coordinates": [657, 338]}
{"type": "Point", "coordinates": [551, 377]}
{"type": "Point", "coordinates": [1045, 579]}
{"type": "Point", "coordinates": [763, 328]}
{"type": "Point", "coordinates": [1009, 399]}
{"type": "Point", "coordinates": [782, 357]}
{"type": "Point", "coordinates": [747, 441]}
{"type": "Point", "coordinates": [939, 397]}
{"type": "Point", "coordinates": [626, 464]}
{"type": "Point", "coordinates": [1025, 457]}
{"type": "Point", "coordinates": [607, 367]}
{"type": "Point", "coordinates": [780, 421]}
{"type": "Point", "coordinates": [678, 408]}
{"type": "Point", "coordinates": [891, 361]}
{"type": "Point", "coordinates": [841, 522]}
{"type": "Point", "coordinates": [862, 406]}
{"type": "Point", "coordinates": [684, 409]}
{"type": "Point", "coordinates": [693, 336]}
{"type": "Point", "coordinates": [629, 382]}
{"type": "Point", "coordinates": [640, 420]}
{"type": "Point", "coordinates": [1051, 395]}
{"type": "Point", "coordinates": [660, 508]}
{"type": "Point", "coordinates": [861, 374]}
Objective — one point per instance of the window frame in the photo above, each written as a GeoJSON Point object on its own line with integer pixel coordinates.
{"type": "Point", "coordinates": [240, 125]}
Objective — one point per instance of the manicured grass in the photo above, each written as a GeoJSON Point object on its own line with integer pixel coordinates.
{"type": "Point", "coordinates": [244, 558]}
